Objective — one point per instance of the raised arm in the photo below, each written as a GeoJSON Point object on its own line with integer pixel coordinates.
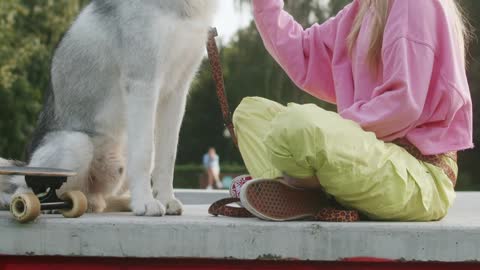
{"type": "Point", "coordinates": [305, 55]}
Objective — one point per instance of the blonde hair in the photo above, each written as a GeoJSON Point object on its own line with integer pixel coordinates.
{"type": "Point", "coordinates": [380, 10]}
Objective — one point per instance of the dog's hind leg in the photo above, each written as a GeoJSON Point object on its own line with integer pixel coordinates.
{"type": "Point", "coordinates": [107, 172]}
{"type": "Point", "coordinates": [63, 150]}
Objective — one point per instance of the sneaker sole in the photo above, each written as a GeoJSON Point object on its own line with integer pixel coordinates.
{"type": "Point", "coordinates": [275, 200]}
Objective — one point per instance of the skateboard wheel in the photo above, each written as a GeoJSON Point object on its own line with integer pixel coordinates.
{"type": "Point", "coordinates": [79, 204]}
{"type": "Point", "coordinates": [25, 207]}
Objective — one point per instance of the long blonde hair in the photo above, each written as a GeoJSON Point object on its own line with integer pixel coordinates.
{"type": "Point", "coordinates": [380, 15]}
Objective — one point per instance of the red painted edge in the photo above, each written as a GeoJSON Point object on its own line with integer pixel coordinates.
{"type": "Point", "coordinates": [368, 259]}
{"type": "Point", "coordinates": [78, 263]}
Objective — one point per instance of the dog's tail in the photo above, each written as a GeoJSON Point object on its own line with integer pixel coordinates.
{"type": "Point", "coordinates": [7, 185]}
{"type": "Point", "coordinates": [118, 204]}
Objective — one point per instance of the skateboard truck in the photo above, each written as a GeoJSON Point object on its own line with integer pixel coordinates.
{"type": "Point", "coordinates": [45, 187]}
{"type": "Point", "coordinates": [44, 183]}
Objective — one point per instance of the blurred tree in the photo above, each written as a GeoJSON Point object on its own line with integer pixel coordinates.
{"type": "Point", "coordinates": [29, 31]}
{"type": "Point", "coordinates": [470, 160]}
{"type": "Point", "coordinates": [336, 5]}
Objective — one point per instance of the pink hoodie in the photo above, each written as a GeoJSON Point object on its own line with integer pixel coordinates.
{"type": "Point", "coordinates": [422, 92]}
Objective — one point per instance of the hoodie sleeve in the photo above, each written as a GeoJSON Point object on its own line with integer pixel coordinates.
{"type": "Point", "coordinates": [304, 54]}
{"type": "Point", "coordinates": [398, 102]}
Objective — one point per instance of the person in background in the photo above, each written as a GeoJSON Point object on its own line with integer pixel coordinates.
{"type": "Point", "coordinates": [211, 163]}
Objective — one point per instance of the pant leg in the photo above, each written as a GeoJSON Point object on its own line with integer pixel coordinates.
{"type": "Point", "coordinates": [380, 179]}
{"type": "Point", "coordinates": [252, 121]}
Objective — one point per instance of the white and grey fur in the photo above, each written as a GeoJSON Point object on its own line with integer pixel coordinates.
{"type": "Point", "coordinates": [120, 78]}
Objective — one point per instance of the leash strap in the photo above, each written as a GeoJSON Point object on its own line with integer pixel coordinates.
{"type": "Point", "coordinates": [221, 208]}
{"type": "Point", "coordinates": [217, 73]}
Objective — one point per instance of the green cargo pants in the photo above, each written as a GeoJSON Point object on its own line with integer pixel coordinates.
{"type": "Point", "coordinates": [382, 180]}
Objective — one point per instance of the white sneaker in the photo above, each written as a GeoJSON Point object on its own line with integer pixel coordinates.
{"type": "Point", "coordinates": [209, 187]}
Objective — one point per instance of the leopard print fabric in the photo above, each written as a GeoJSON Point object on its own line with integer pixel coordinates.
{"type": "Point", "coordinates": [217, 73]}
{"type": "Point", "coordinates": [436, 160]}
{"type": "Point", "coordinates": [221, 208]}
{"type": "Point", "coordinates": [337, 215]}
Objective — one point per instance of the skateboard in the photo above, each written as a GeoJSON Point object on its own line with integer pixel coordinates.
{"type": "Point", "coordinates": [44, 183]}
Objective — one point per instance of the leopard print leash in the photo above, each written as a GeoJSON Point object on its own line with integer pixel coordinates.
{"type": "Point", "coordinates": [222, 208]}
{"type": "Point", "coordinates": [327, 214]}
{"type": "Point", "coordinates": [217, 73]}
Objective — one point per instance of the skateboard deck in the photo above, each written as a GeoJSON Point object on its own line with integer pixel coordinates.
{"type": "Point", "coordinates": [31, 171]}
{"type": "Point", "coordinates": [44, 182]}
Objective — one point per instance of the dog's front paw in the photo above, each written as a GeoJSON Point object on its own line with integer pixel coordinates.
{"type": "Point", "coordinates": [174, 207]}
{"type": "Point", "coordinates": [148, 207]}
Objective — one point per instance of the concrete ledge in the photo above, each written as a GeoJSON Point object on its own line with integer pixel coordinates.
{"type": "Point", "coordinates": [200, 197]}
{"type": "Point", "coordinates": [197, 235]}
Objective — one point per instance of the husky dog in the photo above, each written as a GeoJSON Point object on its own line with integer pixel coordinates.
{"type": "Point", "coordinates": [120, 78]}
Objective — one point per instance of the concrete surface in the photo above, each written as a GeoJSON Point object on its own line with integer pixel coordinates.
{"type": "Point", "coordinates": [197, 235]}
{"type": "Point", "coordinates": [200, 197]}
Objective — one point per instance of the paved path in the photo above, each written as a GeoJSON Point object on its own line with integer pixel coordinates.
{"type": "Point", "coordinates": [197, 235]}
